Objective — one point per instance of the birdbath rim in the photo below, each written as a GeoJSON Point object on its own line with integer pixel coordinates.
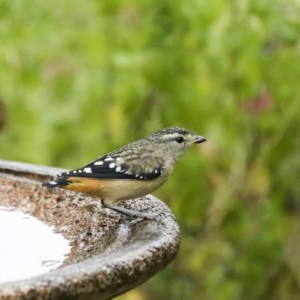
{"type": "Point", "coordinates": [120, 252]}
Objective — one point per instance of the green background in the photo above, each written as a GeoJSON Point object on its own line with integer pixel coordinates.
{"type": "Point", "coordinates": [80, 78]}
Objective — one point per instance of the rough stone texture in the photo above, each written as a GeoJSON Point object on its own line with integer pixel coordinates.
{"type": "Point", "coordinates": [110, 254]}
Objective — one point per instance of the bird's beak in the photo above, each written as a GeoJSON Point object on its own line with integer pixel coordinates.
{"type": "Point", "coordinates": [199, 139]}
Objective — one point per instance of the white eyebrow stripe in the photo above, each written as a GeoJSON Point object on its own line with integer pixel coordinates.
{"type": "Point", "coordinates": [174, 134]}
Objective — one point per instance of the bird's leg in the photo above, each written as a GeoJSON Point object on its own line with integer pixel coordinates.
{"type": "Point", "coordinates": [128, 212]}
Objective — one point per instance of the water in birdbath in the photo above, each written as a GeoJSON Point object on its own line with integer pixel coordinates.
{"type": "Point", "coordinates": [28, 247]}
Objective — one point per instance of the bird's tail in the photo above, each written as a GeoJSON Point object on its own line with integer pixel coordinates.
{"type": "Point", "coordinates": [58, 182]}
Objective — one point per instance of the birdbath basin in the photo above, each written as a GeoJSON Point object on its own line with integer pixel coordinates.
{"type": "Point", "coordinates": [109, 253]}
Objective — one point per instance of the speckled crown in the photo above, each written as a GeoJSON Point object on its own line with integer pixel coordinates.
{"type": "Point", "coordinates": [170, 130]}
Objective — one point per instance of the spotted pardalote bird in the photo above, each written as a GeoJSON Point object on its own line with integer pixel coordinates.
{"type": "Point", "coordinates": [131, 171]}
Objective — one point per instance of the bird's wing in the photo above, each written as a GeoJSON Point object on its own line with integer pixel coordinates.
{"type": "Point", "coordinates": [115, 167]}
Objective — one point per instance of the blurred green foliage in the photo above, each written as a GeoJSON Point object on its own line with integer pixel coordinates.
{"type": "Point", "coordinates": [80, 78]}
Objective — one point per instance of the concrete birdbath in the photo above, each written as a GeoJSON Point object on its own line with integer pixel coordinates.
{"type": "Point", "coordinates": [109, 253]}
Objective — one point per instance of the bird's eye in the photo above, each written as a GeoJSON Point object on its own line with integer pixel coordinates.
{"type": "Point", "coordinates": [179, 139]}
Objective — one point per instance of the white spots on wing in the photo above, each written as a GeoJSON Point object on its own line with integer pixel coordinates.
{"type": "Point", "coordinates": [158, 171]}
{"type": "Point", "coordinates": [129, 173]}
{"type": "Point", "coordinates": [141, 177]}
{"type": "Point", "coordinates": [74, 172]}
{"type": "Point", "coordinates": [52, 182]}
{"type": "Point", "coordinates": [87, 170]}
{"type": "Point", "coordinates": [118, 169]}
{"type": "Point", "coordinates": [112, 165]}
{"type": "Point", "coordinates": [109, 159]}
{"type": "Point", "coordinates": [137, 175]}
{"type": "Point", "coordinates": [98, 163]}
{"type": "Point", "coordinates": [79, 171]}
{"type": "Point", "coordinates": [118, 158]}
